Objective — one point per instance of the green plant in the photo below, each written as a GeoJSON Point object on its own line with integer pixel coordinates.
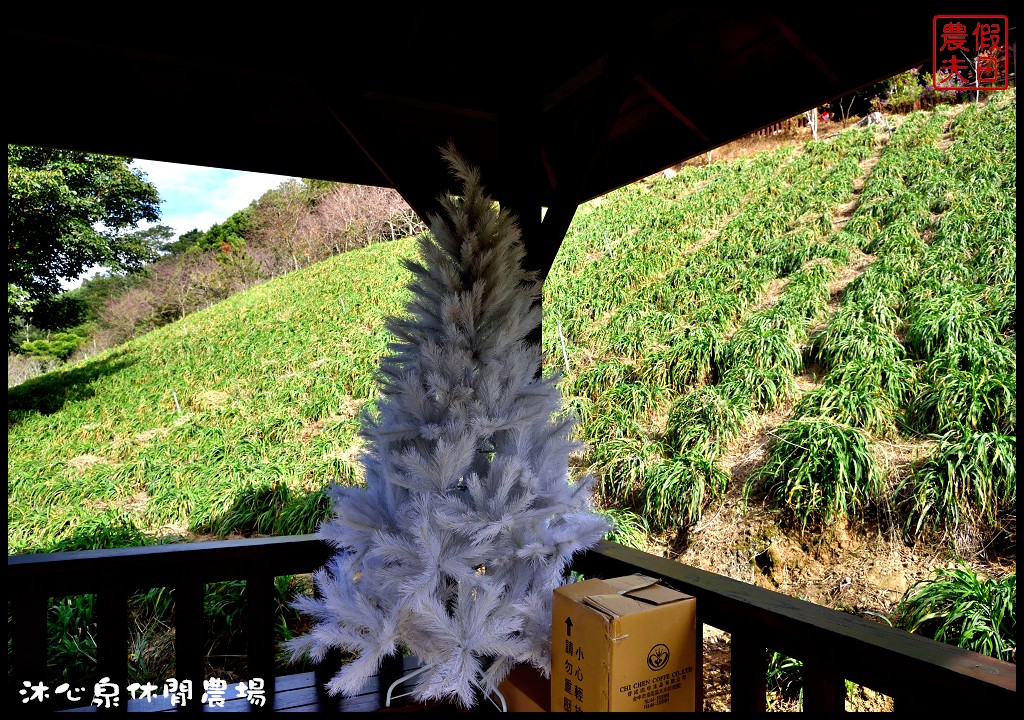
{"type": "Point", "coordinates": [628, 528]}
{"type": "Point", "coordinates": [900, 93]}
{"type": "Point", "coordinates": [849, 336]}
{"type": "Point", "coordinates": [891, 384]}
{"type": "Point", "coordinates": [858, 406]}
{"type": "Point", "coordinates": [981, 397]}
{"type": "Point", "coordinates": [690, 358]}
{"type": "Point", "coordinates": [600, 376]}
{"type": "Point", "coordinates": [784, 680]}
{"type": "Point", "coordinates": [766, 342]}
{"type": "Point", "coordinates": [784, 676]}
{"type": "Point", "coordinates": [954, 317]}
{"type": "Point", "coordinates": [59, 345]}
{"type": "Point", "coordinates": [71, 630]}
{"type": "Point", "coordinates": [818, 471]}
{"type": "Point", "coordinates": [970, 480]}
{"type": "Point", "coordinates": [704, 419]}
{"type": "Point", "coordinates": [764, 389]}
{"type": "Point", "coordinates": [874, 302]}
{"type": "Point", "coordinates": [676, 491]}
{"type": "Point", "coordinates": [959, 607]}
{"type": "Point", "coordinates": [621, 465]}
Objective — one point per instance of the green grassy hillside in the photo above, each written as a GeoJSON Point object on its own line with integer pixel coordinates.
{"type": "Point", "coordinates": [862, 286]}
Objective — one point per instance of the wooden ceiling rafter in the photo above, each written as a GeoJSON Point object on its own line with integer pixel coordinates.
{"type": "Point", "coordinates": [432, 107]}
{"type": "Point", "coordinates": [422, 197]}
{"type": "Point", "coordinates": [671, 107]}
{"type": "Point", "coordinates": [804, 49]}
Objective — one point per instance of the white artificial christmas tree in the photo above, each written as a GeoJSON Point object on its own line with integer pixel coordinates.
{"type": "Point", "coordinates": [469, 518]}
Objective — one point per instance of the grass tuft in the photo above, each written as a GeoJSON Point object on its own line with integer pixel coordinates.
{"type": "Point", "coordinates": [968, 484]}
{"type": "Point", "coordinates": [959, 607]}
{"type": "Point", "coordinates": [678, 490]}
{"type": "Point", "coordinates": [818, 471]}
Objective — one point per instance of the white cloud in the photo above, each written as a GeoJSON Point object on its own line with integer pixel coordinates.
{"type": "Point", "coordinates": [199, 197]}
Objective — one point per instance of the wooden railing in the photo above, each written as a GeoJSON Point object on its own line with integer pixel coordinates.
{"type": "Point", "coordinates": [916, 672]}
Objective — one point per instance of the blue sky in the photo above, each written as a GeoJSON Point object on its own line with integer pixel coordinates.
{"type": "Point", "coordinates": [198, 197]}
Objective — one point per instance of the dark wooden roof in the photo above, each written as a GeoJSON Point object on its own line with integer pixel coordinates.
{"type": "Point", "coordinates": [556, 106]}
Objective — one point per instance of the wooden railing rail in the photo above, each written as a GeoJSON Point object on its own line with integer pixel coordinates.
{"type": "Point", "coordinates": [113, 575]}
{"type": "Point", "coordinates": [916, 672]}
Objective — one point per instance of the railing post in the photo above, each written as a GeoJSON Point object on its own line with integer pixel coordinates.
{"type": "Point", "coordinates": [698, 695]}
{"type": "Point", "coordinates": [749, 667]}
{"type": "Point", "coordinates": [29, 638]}
{"type": "Point", "coordinates": [190, 638]}
{"type": "Point", "coordinates": [824, 689]}
{"type": "Point", "coordinates": [259, 590]}
{"type": "Point", "coordinates": [112, 641]}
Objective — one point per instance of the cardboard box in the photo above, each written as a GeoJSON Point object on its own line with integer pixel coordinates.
{"type": "Point", "coordinates": [622, 645]}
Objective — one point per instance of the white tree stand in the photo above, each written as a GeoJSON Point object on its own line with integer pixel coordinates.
{"type": "Point", "coordinates": [498, 703]}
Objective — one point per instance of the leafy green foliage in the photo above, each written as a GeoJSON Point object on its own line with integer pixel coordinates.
{"type": "Point", "coordinates": [190, 239]}
{"type": "Point", "coordinates": [858, 406]}
{"type": "Point", "coordinates": [705, 419]}
{"type": "Point", "coordinates": [59, 345]}
{"type": "Point", "coordinates": [819, 471]}
{"type": "Point", "coordinates": [784, 676]}
{"type": "Point", "coordinates": [767, 341]}
{"type": "Point", "coordinates": [230, 233]}
{"type": "Point", "coordinates": [628, 528]}
{"type": "Point", "coordinates": [849, 337]}
{"type": "Point", "coordinates": [69, 210]}
{"type": "Point", "coordinates": [959, 387]}
{"type": "Point", "coordinates": [893, 383]}
{"type": "Point", "coordinates": [689, 359]}
{"type": "Point", "coordinates": [968, 483]}
{"type": "Point", "coordinates": [955, 316]}
{"type": "Point", "coordinates": [677, 490]}
{"type": "Point", "coordinates": [764, 388]}
{"type": "Point", "coordinates": [959, 607]}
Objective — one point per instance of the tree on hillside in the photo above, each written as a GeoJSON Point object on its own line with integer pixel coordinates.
{"type": "Point", "coordinates": [184, 242]}
{"type": "Point", "coordinates": [68, 211]}
{"type": "Point", "coordinates": [233, 232]}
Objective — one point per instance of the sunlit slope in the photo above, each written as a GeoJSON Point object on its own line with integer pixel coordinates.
{"type": "Point", "coordinates": [861, 290]}
{"type": "Point", "coordinates": [174, 429]}
{"type": "Point", "coordinates": [842, 300]}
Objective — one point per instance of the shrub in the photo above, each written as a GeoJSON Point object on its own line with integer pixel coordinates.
{"type": "Point", "coordinates": [57, 346]}
{"type": "Point", "coordinates": [677, 490]}
{"type": "Point", "coordinates": [969, 482]}
{"type": "Point", "coordinates": [958, 607]}
{"type": "Point", "coordinates": [818, 471]}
